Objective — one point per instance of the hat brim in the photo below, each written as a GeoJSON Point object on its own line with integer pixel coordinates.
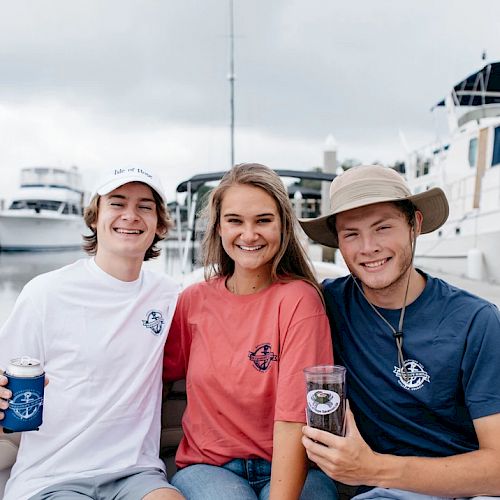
{"type": "Point", "coordinates": [116, 183]}
{"type": "Point", "coordinates": [432, 203]}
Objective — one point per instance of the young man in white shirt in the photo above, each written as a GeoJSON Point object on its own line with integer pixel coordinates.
{"type": "Point", "coordinates": [98, 326]}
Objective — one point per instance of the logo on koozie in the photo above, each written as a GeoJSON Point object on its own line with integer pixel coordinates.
{"type": "Point", "coordinates": [26, 405]}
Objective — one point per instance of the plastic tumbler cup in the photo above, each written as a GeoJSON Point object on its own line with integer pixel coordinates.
{"type": "Point", "coordinates": [325, 398]}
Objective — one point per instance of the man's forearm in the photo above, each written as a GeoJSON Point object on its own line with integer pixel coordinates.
{"type": "Point", "coordinates": [351, 461]}
{"type": "Point", "coordinates": [465, 475]}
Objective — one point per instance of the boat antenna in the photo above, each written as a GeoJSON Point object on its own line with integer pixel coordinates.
{"type": "Point", "coordinates": [231, 76]}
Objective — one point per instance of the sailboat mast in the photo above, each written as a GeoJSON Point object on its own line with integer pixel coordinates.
{"type": "Point", "coordinates": [231, 77]}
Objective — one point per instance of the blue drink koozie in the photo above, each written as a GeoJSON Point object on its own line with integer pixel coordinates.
{"type": "Point", "coordinates": [26, 381]}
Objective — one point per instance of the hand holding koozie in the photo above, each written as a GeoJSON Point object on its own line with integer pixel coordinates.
{"type": "Point", "coordinates": [325, 398]}
{"type": "Point", "coordinates": [26, 381]}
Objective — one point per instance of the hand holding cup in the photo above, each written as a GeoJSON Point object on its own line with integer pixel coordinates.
{"type": "Point", "coordinates": [326, 398]}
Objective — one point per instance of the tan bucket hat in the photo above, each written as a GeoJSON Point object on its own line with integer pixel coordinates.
{"type": "Point", "coordinates": [369, 184]}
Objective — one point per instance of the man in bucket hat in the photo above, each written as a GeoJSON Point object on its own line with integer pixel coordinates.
{"type": "Point", "coordinates": [421, 355]}
{"type": "Point", "coordinates": [99, 327]}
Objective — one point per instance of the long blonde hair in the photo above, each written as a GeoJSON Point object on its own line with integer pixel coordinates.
{"type": "Point", "coordinates": [290, 262]}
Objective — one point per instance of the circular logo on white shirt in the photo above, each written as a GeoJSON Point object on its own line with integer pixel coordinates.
{"type": "Point", "coordinates": [155, 322]}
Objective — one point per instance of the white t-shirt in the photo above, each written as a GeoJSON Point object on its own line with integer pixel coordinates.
{"type": "Point", "coordinates": [101, 343]}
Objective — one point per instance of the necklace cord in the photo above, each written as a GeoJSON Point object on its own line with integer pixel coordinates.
{"type": "Point", "coordinates": [397, 334]}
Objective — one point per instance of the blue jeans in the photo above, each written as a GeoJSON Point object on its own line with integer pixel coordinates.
{"type": "Point", "coordinates": [244, 480]}
{"type": "Point", "coordinates": [394, 494]}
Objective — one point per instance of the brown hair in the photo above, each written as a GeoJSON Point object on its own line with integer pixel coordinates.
{"type": "Point", "coordinates": [164, 223]}
{"type": "Point", "coordinates": [290, 262]}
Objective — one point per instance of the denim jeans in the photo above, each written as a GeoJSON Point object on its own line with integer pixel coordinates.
{"type": "Point", "coordinates": [243, 480]}
{"type": "Point", "coordinates": [394, 494]}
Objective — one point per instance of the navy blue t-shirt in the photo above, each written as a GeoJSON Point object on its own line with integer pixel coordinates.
{"type": "Point", "coordinates": [452, 349]}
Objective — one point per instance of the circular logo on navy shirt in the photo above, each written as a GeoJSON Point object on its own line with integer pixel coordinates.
{"type": "Point", "coordinates": [416, 375]}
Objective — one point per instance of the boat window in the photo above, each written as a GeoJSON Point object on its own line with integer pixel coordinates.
{"type": "Point", "coordinates": [473, 152]}
{"type": "Point", "coordinates": [18, 205]}
{"type": "Point", "coordinates": [422, 166]}
{"type": "Point", "coordinates": [495, 160]}
{"type": "Point", "coordinates": [65, 210]}
{"type": "Point", "coordinates": [36, 205]}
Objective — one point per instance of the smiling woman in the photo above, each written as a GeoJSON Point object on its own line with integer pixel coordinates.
{"type": "Point", "coordinates": [241, 339]}
{"type": "Point", "coordinates": [250, 232]}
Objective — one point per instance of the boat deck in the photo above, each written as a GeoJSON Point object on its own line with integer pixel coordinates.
{"type": "Point", "coordinates": [486, 290]}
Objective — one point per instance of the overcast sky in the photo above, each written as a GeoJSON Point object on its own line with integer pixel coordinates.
{"type": "Point", "coordinates": [99, 83]}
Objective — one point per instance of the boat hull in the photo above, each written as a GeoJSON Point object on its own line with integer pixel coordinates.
{"type": "Point", "coordinates": [446, 251]}
{"type": "Point", "coordinates": [38, 233]}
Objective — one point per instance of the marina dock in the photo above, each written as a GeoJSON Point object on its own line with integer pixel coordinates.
{"type": "Point", "coordinates": [488, 291]}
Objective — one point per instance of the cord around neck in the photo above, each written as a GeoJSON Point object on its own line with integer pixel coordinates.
{"type": "Point", "coordinates": [397, 334]}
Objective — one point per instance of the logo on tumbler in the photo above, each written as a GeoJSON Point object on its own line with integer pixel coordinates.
{"type": "Point", "coordinates": [26, 405]}
{"type": "Point", "coordinates": [262, 357]}
{"type": "Point", "coordinates": [323, 402]}
{"type": "Point", "coordinates": [416, 375]}
{"type": "Point", "coordinates": [155, 322]}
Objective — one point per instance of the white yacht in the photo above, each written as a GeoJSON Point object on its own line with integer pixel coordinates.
{"type": "Point", "coordinates": [46, 211]}
{"type": "Point", "coordinates": [468, 169]}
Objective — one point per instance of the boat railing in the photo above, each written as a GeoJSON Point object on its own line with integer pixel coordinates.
{"type": "Point", "coordinates": [426, 160]}
{"type": "Point", "coordinates": [480, 90]}
{"type": "Point", "coordinates": [48, 177]}
{"type": "Point", "coordinates": [480, 113]}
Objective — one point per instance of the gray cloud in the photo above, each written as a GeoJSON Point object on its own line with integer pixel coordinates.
{"type": "Point", "coordinates": [362, 69]}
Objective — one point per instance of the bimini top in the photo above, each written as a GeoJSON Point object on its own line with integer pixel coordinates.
{"type": "Point", "coordinates": [199, 180]}
{"type": "Point", "coordinates": [478, 89]}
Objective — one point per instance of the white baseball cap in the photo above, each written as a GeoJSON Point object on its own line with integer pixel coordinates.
{"type": "Point", "coordinates": [116, 177]}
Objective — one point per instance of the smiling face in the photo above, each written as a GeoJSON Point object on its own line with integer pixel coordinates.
{"type": "Point", "coordinates": [376, 243]}
{"type": "Point", "coordinates": [250, 229]}
{"type": "Point", "coordinates": [126, 223]}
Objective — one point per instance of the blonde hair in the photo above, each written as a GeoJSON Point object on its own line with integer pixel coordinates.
{"type": "Point", "coordinates": [163, 225]}
{"type": "Point", "coordinates": [290, 262]}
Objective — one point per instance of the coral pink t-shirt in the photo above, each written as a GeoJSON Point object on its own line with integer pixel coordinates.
{"type": "Point", "coordinates": [242, 357]}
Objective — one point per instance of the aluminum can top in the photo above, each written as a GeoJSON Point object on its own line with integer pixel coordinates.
{"type": "Point", "coordinates": [25, 367]}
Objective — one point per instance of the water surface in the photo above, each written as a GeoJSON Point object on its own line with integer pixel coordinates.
{"type": "Point", "coordinates": [17, 268]}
